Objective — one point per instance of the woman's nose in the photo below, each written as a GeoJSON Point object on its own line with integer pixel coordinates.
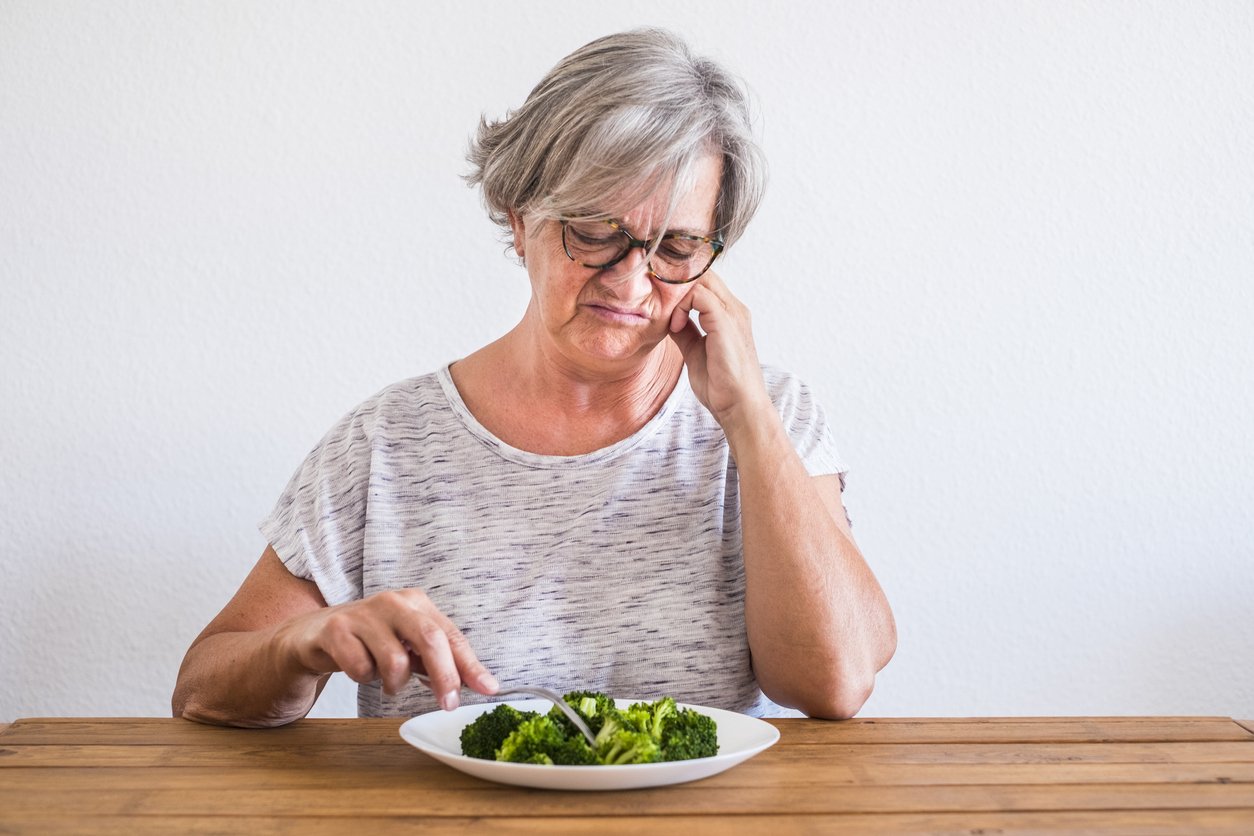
{"type": "Point", "coordinates": [633, 264]}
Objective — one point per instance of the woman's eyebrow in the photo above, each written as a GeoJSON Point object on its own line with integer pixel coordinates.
{"type": "Point", "coordinates": [685, 231]}
{"type": "Point", "coordinates": [677, 230]}
{"type": "Point", "coordinates": [681, 230]}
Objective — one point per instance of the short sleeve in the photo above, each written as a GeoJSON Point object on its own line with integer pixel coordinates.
{"type": "Point", "coordinates": [806, 422]}
{"type": "Point", "coordinates": [318, 525]}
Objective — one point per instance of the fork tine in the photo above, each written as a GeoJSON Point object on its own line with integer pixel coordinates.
{"type": "Point", "coordinates": [555, 698]}
{"type": "Point", "coordinates": [543, 693]}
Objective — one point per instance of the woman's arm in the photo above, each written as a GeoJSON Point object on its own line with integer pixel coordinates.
{"type": "Point", "coordinates": [818, 624]}
{"type": "Point", "coordinates": [236, 671]}
{"type": "Point", "coordinates": [265, 658]}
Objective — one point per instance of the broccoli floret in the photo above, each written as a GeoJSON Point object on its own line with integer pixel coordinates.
{"type": "Point", "coordinates": [652, 717]}
{"type": "Point", "coordinates": [538, 758]}
{"type": "Point", "coordinates": [534, 741]}
{"type": "Point", "coordinates": [574, 752]}
{"type": "Point", "coordinates": [593, 706]}
{"type": "Point", "coordinates": [620, 742]}
{"type": "Point", "coordinates": [483, 737]}
{"type": "Point", "coordinates": [689, 734]}
{"type": "Point", "coordinates": [636, 717]}
{"type": "Point", "coordinates": [625, 746]}
{"type": "Point", "coordinates": [642, 733]}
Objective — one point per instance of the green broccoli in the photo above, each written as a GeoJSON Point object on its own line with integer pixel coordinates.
{"type": "Point", "coordinates": [620, 741]}
{"type": "Point", "coordinates": [631, 747]}
{"type": "Point", "coordinates": [483, 737]}
{"type": "Point", "coordinates": [541, 740]}
{"type": "Point", "coordinates": [534, 741]}
{"type": "Point", "coordinates": [641, 733]}
{"type": "Point", "coordinates": [652, 717]}
{"type": "Point", "coordinates": [618, 744]}
{"type": "Point", "coordinates": [593, 706]}
{"type": "Point", "coordinates": [537, 758]}
{"type": "Point", "coordinates": [689, 734]}
{"type": "Point", "coordinates": [574, 751]}
{"type": "Point", "coordinates": [636, 717]}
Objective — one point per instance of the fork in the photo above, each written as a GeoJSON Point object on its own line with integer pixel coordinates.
{"type": "Point", "coordinates": [543, 693]}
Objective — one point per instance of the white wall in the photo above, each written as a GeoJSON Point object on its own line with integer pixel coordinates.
{"type": "Point", "coordinates": [1012, 245]}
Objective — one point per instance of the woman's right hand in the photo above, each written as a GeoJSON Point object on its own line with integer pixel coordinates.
{"type": "Point", "coordinates": [263, 660]}
{"type": "Point", "coordinates": [389, 636]}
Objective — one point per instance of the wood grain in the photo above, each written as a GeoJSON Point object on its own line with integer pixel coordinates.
{"type": "Point", "coordinates": [144, 731]}
{"type": "Point", "coordinates": [131, 730]}
{"type": "Point", "coordinates": [347, 756]}
{"type": "Point", "coordinates": [1102, 774]}
{"type": "Point", "coordinates": [819, 775]}
{"type": "Point", "coordinates": [492, 801]}
{"type": "Point", "coordinates": [1143, 823]}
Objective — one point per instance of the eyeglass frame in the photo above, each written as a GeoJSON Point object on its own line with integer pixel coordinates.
{"type": "Point", "coordinates": [646, 245]}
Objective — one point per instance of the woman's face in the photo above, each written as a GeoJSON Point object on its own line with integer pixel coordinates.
{"type": "Point", "coordinates": [602, 318]}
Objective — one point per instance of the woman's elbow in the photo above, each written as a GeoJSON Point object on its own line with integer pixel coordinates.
{"type": "Point", "coordinates": [840, 693]}
{"type": "Point", "coordinates": [839, 700]}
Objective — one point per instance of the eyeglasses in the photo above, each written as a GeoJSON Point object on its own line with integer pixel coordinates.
{"type": "Point", "coordinates": [678, 259]}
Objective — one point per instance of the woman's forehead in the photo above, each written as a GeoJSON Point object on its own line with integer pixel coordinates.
{"type": "Point", "coordinates": [694, 207]}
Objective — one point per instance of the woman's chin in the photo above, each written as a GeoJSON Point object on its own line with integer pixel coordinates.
{"type": "Point", "coordinates": [609, 351]}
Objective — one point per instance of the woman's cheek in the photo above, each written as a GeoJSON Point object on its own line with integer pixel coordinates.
{"type": "Point", "coordinates": [674, 295]}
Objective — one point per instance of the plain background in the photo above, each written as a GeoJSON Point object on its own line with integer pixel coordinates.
{"type": "Point", "coordinates": [1010, 245]}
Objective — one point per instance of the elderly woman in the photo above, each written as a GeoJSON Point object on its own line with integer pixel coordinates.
{"type": "Point", "coordinates": [615, 495]}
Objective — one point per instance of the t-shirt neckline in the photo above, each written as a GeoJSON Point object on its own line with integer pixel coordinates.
{"type": "Point", "coordinates": [538, 460]}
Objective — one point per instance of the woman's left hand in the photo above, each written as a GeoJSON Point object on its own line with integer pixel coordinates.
{"type": "Point", "coordinates": [719, 351]}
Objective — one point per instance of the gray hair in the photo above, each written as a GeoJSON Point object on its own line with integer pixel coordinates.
{"type": "Point", "coordinates": [619, 119]}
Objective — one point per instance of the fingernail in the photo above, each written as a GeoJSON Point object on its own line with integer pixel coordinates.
{"type": "Point", "coordinates": [488, 682]}
{"type": "Point", "coordinates": [449, 701]}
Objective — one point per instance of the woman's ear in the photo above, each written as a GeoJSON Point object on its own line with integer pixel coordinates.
{"type": "Point", "coordinates": [520, 234]}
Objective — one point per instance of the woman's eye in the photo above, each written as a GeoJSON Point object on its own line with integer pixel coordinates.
{"type": "Point", "coordinates": [592, 238]}
{"type": "Point", "coordinates": [676, 250]}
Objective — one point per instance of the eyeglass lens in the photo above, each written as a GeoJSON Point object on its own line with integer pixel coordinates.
{"type": "Point", "coordinates": [678, 258]}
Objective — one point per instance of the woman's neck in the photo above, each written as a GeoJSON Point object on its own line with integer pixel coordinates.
{"type": "Point", "coordinates": [540, 401]}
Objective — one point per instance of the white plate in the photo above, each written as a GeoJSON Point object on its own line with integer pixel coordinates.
{"type": "Point", "coordinates": [439, 735]}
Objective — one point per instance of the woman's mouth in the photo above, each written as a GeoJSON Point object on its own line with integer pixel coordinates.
{"type": "Point", "coordinates": [614, 313]}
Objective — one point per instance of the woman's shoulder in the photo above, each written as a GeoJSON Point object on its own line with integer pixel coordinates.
{"type": "Point", "coordinates": [413, 399]}
{"type": "Point", "coordinates": [776, 376]}
{"type": "Point", "coordinates": [405, 393]}
{"type": "Point", "coordinates": [785, 387]}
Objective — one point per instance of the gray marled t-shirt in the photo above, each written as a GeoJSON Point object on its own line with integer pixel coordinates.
{"type": "Point", "coordinates": [619, 570]}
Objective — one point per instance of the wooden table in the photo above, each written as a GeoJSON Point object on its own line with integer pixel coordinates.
{"type": "Point", "coordinates": [1116, 774]}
